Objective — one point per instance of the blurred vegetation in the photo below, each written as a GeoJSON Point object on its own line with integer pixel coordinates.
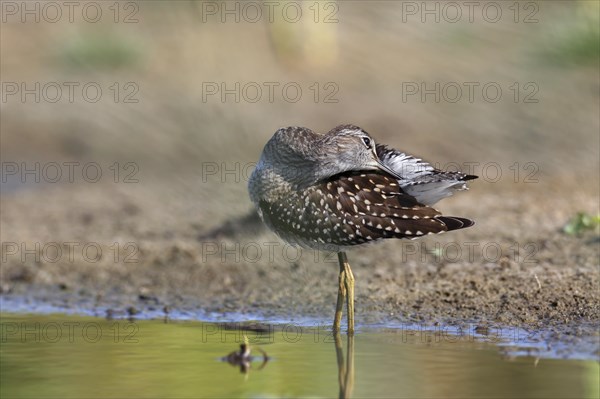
{"type": "Point", "coordinates": [582, 222]}
{"type": "Point", "coordinates": [578, 42]}
{"type": "Point", "coordinates": [101, 51]}
{"type": "Point", "coordinates": [361, 62]}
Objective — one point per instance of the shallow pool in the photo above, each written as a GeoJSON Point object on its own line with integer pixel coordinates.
{"type": "Point", "coordinates": [48, 356]}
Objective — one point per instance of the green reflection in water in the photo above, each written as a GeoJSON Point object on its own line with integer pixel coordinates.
{"type": "Point", "coordinates": [65, 356]}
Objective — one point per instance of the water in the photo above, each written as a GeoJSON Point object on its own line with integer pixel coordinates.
{"type": "Point", "coordinates": [51, 356]}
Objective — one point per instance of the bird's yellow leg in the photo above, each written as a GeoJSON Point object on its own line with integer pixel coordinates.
{"type": "Point", "coordinates": [341, 296]}
{"type": "Point", "coordinates": [349, 285]}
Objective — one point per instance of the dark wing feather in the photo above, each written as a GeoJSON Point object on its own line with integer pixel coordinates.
{"type": "Point", "coordinates": [355, 208]}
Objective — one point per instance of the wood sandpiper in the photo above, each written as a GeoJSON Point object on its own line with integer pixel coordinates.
{"type": "Point", "coordinates": [337, 190]}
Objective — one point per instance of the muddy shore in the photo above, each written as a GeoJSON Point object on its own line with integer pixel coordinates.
{"type": "Point", "coordinates": [516, 267]}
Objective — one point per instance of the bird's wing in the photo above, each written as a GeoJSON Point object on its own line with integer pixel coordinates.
{"type": "Point", "coordinates": [421, 180]}
{"type": "Point", "coordinates": [373, 206]}
{"type": "Point", "coordinates": [356, 208]}
{"type": "Point", "coordinates": [407, 167]}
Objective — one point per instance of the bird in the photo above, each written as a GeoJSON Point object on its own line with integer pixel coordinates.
{"type": "Point", "coordinates": [335, 191]}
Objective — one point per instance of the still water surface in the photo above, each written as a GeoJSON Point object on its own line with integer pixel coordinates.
{"type": "Point", "coordinates": [51, 356]}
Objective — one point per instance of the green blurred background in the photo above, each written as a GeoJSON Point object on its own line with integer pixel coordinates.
{"type": "Point", "coordinates": [176, 48]}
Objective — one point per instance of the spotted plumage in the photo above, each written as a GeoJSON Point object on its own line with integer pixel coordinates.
{"type": "Point", "coordinates": [351, 207]}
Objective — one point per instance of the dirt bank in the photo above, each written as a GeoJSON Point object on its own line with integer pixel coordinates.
{"type": "Point", "coordinates": [186, 250]}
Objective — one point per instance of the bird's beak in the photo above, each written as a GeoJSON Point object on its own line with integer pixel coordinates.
{"type": "Point", "coordinates": [387, 169]}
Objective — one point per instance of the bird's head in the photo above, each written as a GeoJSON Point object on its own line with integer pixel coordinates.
{"type": "Point", "coordinates": [350, 148]}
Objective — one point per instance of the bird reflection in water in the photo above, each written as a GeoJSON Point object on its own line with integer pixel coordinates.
{"type": "Point", "coordinates": [244, 359]}
{"type": "Point", "coordinates": [345, 368]}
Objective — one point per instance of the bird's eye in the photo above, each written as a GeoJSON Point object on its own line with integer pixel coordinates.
{"type": "Point", "coordinates": [367, 142]}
